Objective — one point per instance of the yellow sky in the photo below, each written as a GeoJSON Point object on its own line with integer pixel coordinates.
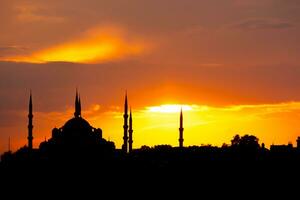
{"type": "Point", "coordinates": [154, 125]}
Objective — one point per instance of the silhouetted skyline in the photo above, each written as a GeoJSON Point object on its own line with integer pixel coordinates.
{"type": "Point", "coordinates": [77, 134]}
{"type": "Point", "coordinates": [127, 146]}
{"type": "Point", "coordinates": [79, 150]}
{"type": "Point", "coordinates": [234, 72]}
{"type": "Point", "coordinates": [141, 95]}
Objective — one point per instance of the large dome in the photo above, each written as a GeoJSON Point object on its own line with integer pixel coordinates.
{"type": "Point", "coordinates": [78, 136]}
{"type": "Point", "coordinates": [76, 124]}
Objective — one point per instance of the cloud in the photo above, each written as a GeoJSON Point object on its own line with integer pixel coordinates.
{"type": "Point", "coordinates": [10, 118]}
{"type": "Point", "coordinates": [252, 3]}
{"type": "Point", "coordinates": [6, 50]}
{"type": "Point", "coordinates": [255, 24]}
{"type": "Point", "coordinates": [94, 46]}
{"type": "Point", "coordinates": [35, 13]}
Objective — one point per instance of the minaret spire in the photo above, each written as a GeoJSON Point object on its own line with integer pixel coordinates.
{"type": "Point", "coordinates": [130, 132]}
{"type": "Point", "coordinates": [126, 104]}
{"type": "Point", "coordinates": [30, 126]}
{"type": "Point", "coordinates": [79, 106]}
{"type": "Point", "coordinates": [125, 126]}
{"type": "Point", "coordinates": [181, 130]}
{"type": "Point", "coordinates": [77, 112]}
{"type": "Point", "coordinates": [9, 144]}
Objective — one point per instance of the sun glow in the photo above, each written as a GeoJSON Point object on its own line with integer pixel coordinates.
{"type": "Point", "coordinates": [203, 124]}
{"type": "Point", "coordinates": [169, 108]}
{"type": "Point", "coordinates": [95, 46]}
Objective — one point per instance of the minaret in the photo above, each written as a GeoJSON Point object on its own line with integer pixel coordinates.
{"type": "Point", "coordinates": [181, 130]}
{"type": "Point", "coordinates": [79, 106]}
{"type": "Point", "coordinates": [125, 126]}
{"type": "Point", "coordinates": [77, 112]}
{"type": "Point", "coordinates": [9, 144]}
{"type": "Point", "coordinates": [30, 126]}
{"type": "Point", "coordinates": [130, 132]}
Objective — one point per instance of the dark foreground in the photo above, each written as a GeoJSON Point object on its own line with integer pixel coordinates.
{"type": "Point", "coordinates": [153, 172]}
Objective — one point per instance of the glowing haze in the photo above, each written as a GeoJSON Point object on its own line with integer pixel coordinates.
{"type": "Point", "coordinates": [96, 45]}
{"type": "Point", "coordinates": [203, 124]}
{"type": "Point", "coordinates": [231, 65]}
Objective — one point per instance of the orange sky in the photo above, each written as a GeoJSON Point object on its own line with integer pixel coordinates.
{"type": "Point", "coordinates": [234, 65]}
{"type": "Point", "coordinates": [153, 125]}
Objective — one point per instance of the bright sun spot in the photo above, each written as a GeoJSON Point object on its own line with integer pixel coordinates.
{"type": "Point", "coordinates": [169, 108]}
{"type": "Point", "coordinates": [96, 107]}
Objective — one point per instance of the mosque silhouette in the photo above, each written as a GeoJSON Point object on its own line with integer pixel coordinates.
{"type": "Point", "coordinates": [79, 145]}
{"type": "Point", "coordinates": [77, 137]}
{"type": "Point", "coordinates": [77, 153]}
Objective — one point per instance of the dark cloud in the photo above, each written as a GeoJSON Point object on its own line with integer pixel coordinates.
{"type": "Point", "coordinates": [11, 118]}
{"type": "Point", "coordinates": [53, 84]}
{"type": "Point", "coordinates": [12, 50]}
{"type": "Point", "coordinates": [254, 24]}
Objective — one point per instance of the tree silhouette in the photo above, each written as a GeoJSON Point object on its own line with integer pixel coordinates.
{"type": "Point", "coordinates": [247, 144]}
{"type": "Point", "coordinates": [236, 140]}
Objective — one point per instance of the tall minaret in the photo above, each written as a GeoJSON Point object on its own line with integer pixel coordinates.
{"type": "Point", "coordinates": [79, 106]}
{"type": "Point", "coordinates": [30, 126]}
{"type": "Point", "coordinates": [125, 126]}
{"type": "Point", "coordinates": [9, 144]}
{"type": "Point", "coordinates": [77, 112]}
{"type": "Point", "coordinates": [130, 132]}
{"type": "Point", "coordinates": [181, 130]}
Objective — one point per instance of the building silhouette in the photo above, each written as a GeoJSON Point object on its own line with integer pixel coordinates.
{"type": "Point", "coordinates": [181, 130]}
{"type": "Point", "coordinates": [77, 136]}
{"type": "Point", "coordinates": [282, 148]}
{"type": "Point", "coordinates": [80, 148]}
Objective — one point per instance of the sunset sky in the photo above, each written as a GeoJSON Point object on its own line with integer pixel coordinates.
{"type": "Point", "coordinates": [233, 65]}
